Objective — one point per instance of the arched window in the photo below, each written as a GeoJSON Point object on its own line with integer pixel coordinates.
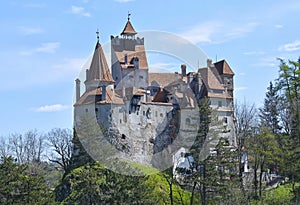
{"type": "Point", "coordinates": [187, 121]}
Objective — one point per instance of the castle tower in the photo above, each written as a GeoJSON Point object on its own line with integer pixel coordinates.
{"type": "Point", "coordinates": [98, 74]}
{"type": "Point", "coordinates": [129, 61]}
{"type": "Point", "coordinates": [226, 75]}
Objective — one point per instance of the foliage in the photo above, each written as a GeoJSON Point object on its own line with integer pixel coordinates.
{"type": "Point", "coordinates": [18, 186]}
{"type": "Point", "coordinates": [95, 184]}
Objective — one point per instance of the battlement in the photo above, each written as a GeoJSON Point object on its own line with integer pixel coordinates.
{"type": "Point", "coordinates": [123, 43]}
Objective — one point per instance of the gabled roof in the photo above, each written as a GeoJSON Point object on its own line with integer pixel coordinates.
{"type": "Point", "coordinates": [210, 79]}
{"type": "Point", "coordinates": [223, 67]}
{"type": "Point", "coordinates": [139, 52]}
{"type": "Point", "coordinates": [128, 29]}
{"type": "Point", "coordinates": [99, 70]}
{"type": "Point", "coordinates": [163, 79]}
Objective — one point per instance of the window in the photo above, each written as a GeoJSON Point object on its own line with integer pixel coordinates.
{"type": "Point", "coordinates": [141, 77]}
{"type": "Point", "coordinates": [187, 121]}
{"type": "Point", "coordinates": [225, 120]}
{"type": "Point", "coordinates": [161, 115]}
{"type": "Point", "coordinates": [86, 110]}
{"type": "Point", "coordinates": [96, 109]}
{"type": "Point", "coordinates": [219, 103]}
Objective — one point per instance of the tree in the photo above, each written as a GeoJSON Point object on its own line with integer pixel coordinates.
{"type": "Point", "coordinates": [27, 148]}
{"type": "Point", "coordinates": [4, 148]}
{"type": "Point", "coordinates": [61, 142]}
{"type": "Point", "coordinates": [246, 126]}
{"type": "Point", "coordinates": [289, 85]}
{"type": "Point", "coordinates": [19, 186]}
{"type": "Point", "coordinates": [269, 114]}
{"type": "Point", "coordinates": [263, 150]}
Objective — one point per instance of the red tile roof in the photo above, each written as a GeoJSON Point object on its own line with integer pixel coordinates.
{"type": "Point", "coordinates": [163, 79]}
{"type": "Point", "coordinates": [94, 96]}
{"type": "Point", "coordinates": [139, 52]}
{"type": "Point", "coordinates": [128, 29]}
{"type": "Point", "coordinates": [223, 68]}
{"type": "Point", "coordinates": [99, 70]}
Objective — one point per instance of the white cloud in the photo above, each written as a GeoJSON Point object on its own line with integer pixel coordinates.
{"type": "Point", "coordinates": [240, 88]}
{"type": "Point", "coordinates": [123, 1]}
{"type": "Point", "coordinates": [163, 67]}
{"type": "Point", "coordinates": [256, 53]}
{"type": "Point", "coordinates": [51, 108]}
{"type": "Point", "coordinates": [267, 62]}
{"type": "Point", "coordinates": [217, 32]}
{"type": "Point", "coordinates": [278, 26]}
{"type": "Point", "coordinates": [70, 67]}
{"type": "Point", "coordinates": [241, 30]}
{"type": "Point", "coordinates": [294, 46]}
{"type": "Point", "coordinates": [49, 47]}
{"type": "Point", "coordinates": [30, 30]}
{"type": "Point", "coordinates": [79, 10]}
{"type": "Point", "coordinates": [33, 5]}
{"type": "Point", "coordinates": [201, 32]}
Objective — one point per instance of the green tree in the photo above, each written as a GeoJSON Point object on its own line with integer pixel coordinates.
{"type": "Point", "coordinates": [19, 186]}
{"type": "Point", "coordinates": [269, 114]}
{"type": "Point", "coordinates": [289, 85]}
{"type": "Point", "coordinates": [263, 150]}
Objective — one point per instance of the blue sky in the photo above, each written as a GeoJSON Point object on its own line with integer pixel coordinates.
{"type": "Point", "coordinates": [44, 44]}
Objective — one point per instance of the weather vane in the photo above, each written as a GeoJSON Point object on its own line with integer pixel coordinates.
{"type": "Point", "coordinates": [97, 32]}
{"type": "Point", "coordinates": [129, 15]}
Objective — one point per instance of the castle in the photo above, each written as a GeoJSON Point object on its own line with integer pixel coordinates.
{"type": "Point", "coordinates": [147, 115]}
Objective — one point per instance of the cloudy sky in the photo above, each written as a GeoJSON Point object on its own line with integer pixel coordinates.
{"type": "Point", "coordinates": [44, 44]}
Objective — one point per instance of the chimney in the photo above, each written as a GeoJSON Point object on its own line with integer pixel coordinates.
{"type": "Point", "coordinates": [199, 81]}
{"type": "Point", "coordinates": [183, 70]}
{"type": "Point", "coordinates": [103, 93]}
{"type": "Point", "coordinates": [87, 74]}
{"type": "Point", "coordinates": [77, 89]}
{"type": "Point", "coordinates": [209, 62]}
{"type": "Point", "coordinates": [125, 59]}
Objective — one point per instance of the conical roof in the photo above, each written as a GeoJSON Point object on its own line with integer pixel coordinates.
{"type": "Point", "coordinates": [99, 70]}
{"type": "Point", "coordinates": [128, 29]}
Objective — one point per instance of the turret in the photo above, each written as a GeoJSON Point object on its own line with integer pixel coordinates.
{"type": "Point", "coordinates": [98, 75]}
{"type": "Point", "coordinates": [77, 89]}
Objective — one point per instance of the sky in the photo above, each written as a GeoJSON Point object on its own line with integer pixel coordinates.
{"type": "Point", "coordinates": [45, 44]}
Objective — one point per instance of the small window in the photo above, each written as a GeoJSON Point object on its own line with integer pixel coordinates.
{"type": "Point", "coordinates": [117, 78]}
{"type": "Point", "coordinates": [225, 120]}
{"type": "Point", "coordinates": [120, 121]}
{"type": "Point", "coordinates": [96, 109]}
{"type": "Point", "coordinates": [161, 115]}
{"type": "Point", "coordinates": [144, 112]}
{"type": "Point", "coordinates": [86, 110]}
{"type": "Point", "coordinates": [141, 77]}
{"type": "Point", "coordinates": [219, 103]}
{"type": "Point", "coordinates": [187, 121]}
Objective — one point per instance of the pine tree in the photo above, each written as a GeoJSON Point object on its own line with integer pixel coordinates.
{"type": "Point", "coordinates": [269, 115]}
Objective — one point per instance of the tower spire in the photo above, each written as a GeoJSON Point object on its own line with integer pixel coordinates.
{"type": "Point", "coordinates": [128, 17]}
{"type": "Point", "coordinates": [97, 33]}
{"type": "Point", "coordinates": [128, 29]}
